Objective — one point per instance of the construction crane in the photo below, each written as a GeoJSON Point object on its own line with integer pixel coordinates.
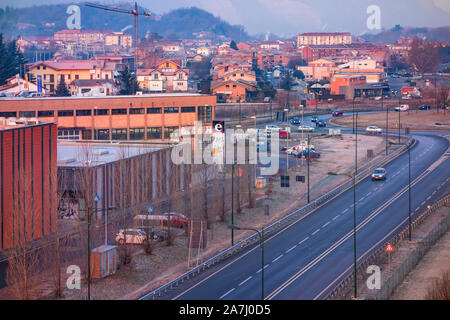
{"type": "Point", "coordinates": [136, 14]}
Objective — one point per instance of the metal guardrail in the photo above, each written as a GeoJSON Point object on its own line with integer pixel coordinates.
{"type": "Point", "coordinates": [394, 237]}
{"type": "Point", "coordinates": [279, 224]}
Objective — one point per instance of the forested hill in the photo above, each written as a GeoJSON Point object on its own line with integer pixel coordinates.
{"type": "Point", "coordinates": [45, 20]}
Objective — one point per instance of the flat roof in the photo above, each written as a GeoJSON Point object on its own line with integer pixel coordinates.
{"type": "Point", "coordinates": [152, 95]}
{"type": "Point", "coordinates": [96, 154]}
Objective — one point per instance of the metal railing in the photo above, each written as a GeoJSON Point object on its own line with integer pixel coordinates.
{"type": "Point", "coordinates": [364, 172]}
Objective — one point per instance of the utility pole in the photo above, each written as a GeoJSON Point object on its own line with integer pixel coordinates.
{"type": "Point", "coordinates": [309, 158]}
{"type": "Point", "coordinates": [354, 208]}
{"type": "Point", "coordinates": [409, 188]}
{"type": "Point", "coordinates": [399, 111]}
{"type": "Point", "coordinates": [232, 201]}
{"type": "Point", "coordinates": [89, 253]}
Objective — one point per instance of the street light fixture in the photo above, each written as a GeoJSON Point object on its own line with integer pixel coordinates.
{"type": "Point", "coordinates": [261, 243]}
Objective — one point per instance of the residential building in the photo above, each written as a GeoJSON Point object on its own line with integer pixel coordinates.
{"type": "Point", "coordinates": [167, 76]}
{"type": "Point", "coordinates": [92, 88]}
{"type": "Point", "coordinates": [339, 81]}
{"type": "Point", "coordinates": [88, 37]}
{"type": "Point", "coordinates": [323, 38]}
{"type": "Point", "coordinates": [320, 69]}
{"type": "Point", "coordinates": [232, 90]}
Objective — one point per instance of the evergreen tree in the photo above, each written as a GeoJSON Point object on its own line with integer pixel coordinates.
{"type": "Point", "coordinates": [61, 89]}
{"type": "Point", "coordinates": [127, 82]}
{"type": "Point", "coordinates": [233, 45]}
{"type": "Point", "coordinates": [12, 61]}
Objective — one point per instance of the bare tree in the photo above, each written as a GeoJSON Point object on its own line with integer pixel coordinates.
{"type": "Point", "coordinates": [423, 55]}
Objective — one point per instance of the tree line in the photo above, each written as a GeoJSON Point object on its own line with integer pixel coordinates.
{"type": "Point", "coordinates": [12, 61]}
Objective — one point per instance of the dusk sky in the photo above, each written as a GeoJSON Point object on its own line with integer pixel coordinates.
{"type": "Point", "coordinates": [290, 17]}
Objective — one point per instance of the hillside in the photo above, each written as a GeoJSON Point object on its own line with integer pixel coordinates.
{"type": "Point", "coordinates": [44, 20]}
{"type": "Point", "coordinates": [392, 35]}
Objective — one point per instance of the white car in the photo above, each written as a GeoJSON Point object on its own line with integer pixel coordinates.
{"type": "Point", "coordinates": [403, 107]}
{"type": "Point", "coordinates": [374, 130]}
{"type": "Point", "coordinates": [132, 236]}
{"type": "Point", "coordinates": [306, 128]}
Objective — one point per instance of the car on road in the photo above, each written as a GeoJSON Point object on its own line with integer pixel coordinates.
{"type": "Point", "coordinates": [314, 118]}
{"type": "Point", "coordinates": [425, 107]}
{"type": "Point", "coordinates": [403, 107]}
{"type": "Point", "coordinates": [373, 130]}
{"type": "Point", "coordinates": [131, 236]}
{"type": "Point", "coordinates": [379, 174]}
{"type": "Point", "coordinates": [321, 123]}
{"type": "Point", "coordinates": [306, 129]}
{"type": "Point", "coordinates": [296, 120]}
{"type": "Point", "coordinates": [337, 113]}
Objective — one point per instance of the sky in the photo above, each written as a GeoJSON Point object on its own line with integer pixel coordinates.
{"type": "Point", "coordinates": [290, 17]}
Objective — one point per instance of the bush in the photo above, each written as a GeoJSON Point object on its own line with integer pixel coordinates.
{"type": "Point", "coordinates": [440, 290]}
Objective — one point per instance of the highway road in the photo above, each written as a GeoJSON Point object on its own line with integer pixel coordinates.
{"type": "Point", "coordinates": [303, 260]}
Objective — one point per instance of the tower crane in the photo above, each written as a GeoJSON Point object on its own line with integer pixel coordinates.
{"type": "Point", "coordinates": [134, 12]}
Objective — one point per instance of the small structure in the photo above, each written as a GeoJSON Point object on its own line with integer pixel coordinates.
{"type": "Point", "coordinates": [103, 261]}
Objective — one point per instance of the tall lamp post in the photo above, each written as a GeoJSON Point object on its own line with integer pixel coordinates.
{"type": "Point", "coordinates": [354, 205]}
{"type": "Point", "coordinates": [387, 124]}
{"type": "Point", "coordinates": [261, 241]}
{"type": "Point", "coordinates": [287, 126]}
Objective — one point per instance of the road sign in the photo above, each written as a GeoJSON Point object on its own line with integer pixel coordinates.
{"type": "Point", "coordinates": [149, 209]}
{"type": "Point", "coordinates": [96, 197]}
{"type": "Point", "coordinates": [219, 126]}
{"type": "Point", "coordinates": [39, 83]}
{"type": "Point", "coordinates": [389, 248]}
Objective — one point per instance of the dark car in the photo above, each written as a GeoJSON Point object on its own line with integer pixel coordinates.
{"type": "Point", "coordinates": [296, 120]}
{"type": "Point", "coordinates": [425, 107]}
{"type": "Point", "coordinates": [321, 123]}
{"type": "Point", "coordinates": [314, 118]}
{"type": "Point", "coordinates": [379, 174]}
{"type": "Point", "coordinates": [337, 113]}
{"type": "Point", "coordinates": [304, 153]}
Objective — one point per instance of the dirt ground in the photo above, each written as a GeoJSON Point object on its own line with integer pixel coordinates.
{"type": "Point", "coordinates": [415, 120]}
{"type": "Point", "coordinates": [432, 266]}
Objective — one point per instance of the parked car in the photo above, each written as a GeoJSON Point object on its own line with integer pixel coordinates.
{"type": "Point", "coordinates": [379, 174]}
{"type": "Point", "coordinates": [314, 118]}
{"type": "Point", "coordinates": [373, 130]}
{"type": "Point", "coordinates": [131, 236]}
{"type": "Point", "coordinates": [306, 128]}
{"type": "Point", "coordinates": [177, 220]}
{"type": "Point", "coordinates": [425, 107]}
{"type": "Point", "coordinates": [337, 113]}
{"type": "Point", "coordinates": [304, 153]}
{"type": "Point", "coordinates": [403, 107]}
{"type": "Point", "coordinates": [321, 123]}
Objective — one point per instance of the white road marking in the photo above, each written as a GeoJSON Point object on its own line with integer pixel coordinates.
{"type": "Point", "coordinates": [336, 217]}
{"type": "Point", "coordinates": [292, 248]}
{"type": "Point", "coordinates": [326, 224]}
{"type": "Point", "coordinates": [345, 210]}
{"type": "Point", "coordinates": [240, 284]}
{"type": "Point", "coordinates": [429, 197]}
{"type": "Point", "coordinates": [303, 240]}
{"type": "Point", "coordinates": [228, 292]}
{"type": "Point", "coordinates": [277, 258]}
{"type": "Point", "coordinates": [315, 232]}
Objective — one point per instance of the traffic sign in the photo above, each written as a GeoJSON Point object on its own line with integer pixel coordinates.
{"type": "Point", "coordinates": [96, 197]}
{"type": "Point", "coordinates": [389, 248]}
{"type": "Point", "coordinates": [149, 209]}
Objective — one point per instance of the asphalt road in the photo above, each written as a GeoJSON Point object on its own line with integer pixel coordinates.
{"type": "Point", "coordinates": [305, 258]}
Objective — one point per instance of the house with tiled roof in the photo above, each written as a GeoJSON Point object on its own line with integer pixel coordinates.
{"type": "Point", "coordinates": [166, 76]}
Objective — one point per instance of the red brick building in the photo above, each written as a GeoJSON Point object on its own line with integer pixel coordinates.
{"type": "Point", "coordinates": [27, 181]}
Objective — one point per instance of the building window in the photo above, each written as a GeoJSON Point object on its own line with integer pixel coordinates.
{"type": "Point", "coordinates": [67, 134]}
{"type": "Point", "coordinates": [52, 78]}
{"type": "Point", "coordinates": [101, 134]}
{"type": "Point", "coordinates": [9, 114]}
{"type": "Point", "coordinates": [168, 131]}
{"type": "Point", "coordinates": [118, 111]}
{"type": "Point", "coordinates": [101, 112]}
{"type": "Point", "coordinates": [48, 113]}
{"type": "Point", "coordinates": [77, 77]}
{"type": "Point", "coordinates": [155, 76]}
{"type": "Point", "coordinates": [137, 111]}
{"type": "Point", "coordinates": [153, 110]}
{"type": "Point", "coordinates": [27, 114]}
{"type": "Point", "coordinates": [154, 133]}
{"type": "Point", "coordinates": [171, 110]}
{"type": "Point", "coordinates": [65, 113]}
{"type": "Point", "coordinates": [187, 109]}
{"type": "Point", "coordinates": [204, 114]}
{"type": "Point", "coordinates": [119, 134]}
{"type": "Point", "coordinates": [86, 112]}
{"type": "Point", "coordinates": [137, 133]}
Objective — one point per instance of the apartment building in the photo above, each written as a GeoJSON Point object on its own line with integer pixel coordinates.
{"type": "Point", "coordinates": [167, 76]}
{"type": "Point", "coordinates": [87, 37]}
{"type": "Point", "coordinates": [323, 38]}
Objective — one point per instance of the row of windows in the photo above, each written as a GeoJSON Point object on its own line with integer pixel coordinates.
{"type": "Point", "coordinates": [97, 112]}
{"type": "Point", "coordinates": [135, 133]}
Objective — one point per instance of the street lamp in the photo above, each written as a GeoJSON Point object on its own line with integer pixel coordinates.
{"type": "Point", "coordinates": [287, 132]}
{"type": "Point", "coordinates": [261, 243]}
{"type": "Point", "coordinates": [354, 205]}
